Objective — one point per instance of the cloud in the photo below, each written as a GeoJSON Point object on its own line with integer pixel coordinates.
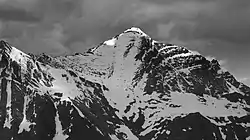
{"type": "Point", "coordinates": [35, 38]}
{"type": "Point", "coordinates": [196, 21]}
{"type": "Point", "coordinates": [14, 14]}
{"type": "Point", "coordinates": [219, 28]}
{"type": "Point", "coordinates": [245, 80]}
{"type": "Point", "coordinates": [18, 4]}
{"type": "Point", "coordinates": [193, 23]}
{"type": "Point", "coordinates": [36, 25]}
{"type": "Point", "coordinates": [223, 63]}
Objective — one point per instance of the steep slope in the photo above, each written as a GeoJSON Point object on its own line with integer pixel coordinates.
{"type": "Point", "coordinates": [154, 84]}
{"type": "Point", "coordinates": [41, 102]}
{"type": "Point", "coordinates": [129, 87]}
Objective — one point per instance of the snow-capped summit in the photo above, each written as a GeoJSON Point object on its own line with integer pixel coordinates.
{"type": "Point", "coordinates": [130, 87]}
{"type": "Point", "coordinates": [11, 52]}
{"type": "Point", "coordinates": [135, 29]}
{"type": "Point", "coordinates": [111, 42]}
{"type": "Point", "coordinates": [4, 45]}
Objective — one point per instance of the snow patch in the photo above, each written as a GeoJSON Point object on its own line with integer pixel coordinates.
{"type": "Point", "coordinates": [61, 85]}
{"type": "Point", "coordinates": [168, 132]}
{"type": "Point", "coordinates": [233, 89]}
{"type": "Point", "coordinates": [113, 137]}
{"type": "Point", "coordinates": [25, 124]}
{"type": "Point", "coordinates": [135, 29]}
{"type": "Point", "coordinates": [18, 55]}
{"type": "Point", "coordinates": [126, 130]}
{"type": "Point", "coordinates": [181, 55]}
{"type": "Point", "coordinates": [110, 42]}
{"type": "Point", "coordinates": [8, 119]}
{"type": "Point", "coordinates": [78, 110]}
{"type": "Point", "coordinates": [167, 47]}
{"type": "Point", "coordinates": [59, 130]}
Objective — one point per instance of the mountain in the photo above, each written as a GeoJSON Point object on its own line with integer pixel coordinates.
{"type": "Point", "coordinates": [130, 87]}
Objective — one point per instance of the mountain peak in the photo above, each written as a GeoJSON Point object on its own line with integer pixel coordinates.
{"type": "Point", "coordinates": [11, 53]}
{"type": "Point", "coordinates": [4, 46]}
{"type": "Point", "coordinates": [135, 29]}
{"type": "Point", "coordinates": [130, 87]}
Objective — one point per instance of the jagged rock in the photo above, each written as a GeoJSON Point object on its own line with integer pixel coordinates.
{"type": "Point", "coordinates": [130, 87]}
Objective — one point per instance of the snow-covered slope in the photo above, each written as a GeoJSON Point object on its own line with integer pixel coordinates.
{"type": "Point", "coordinates": [43, 102]}
{"type": "Point", "coordinates": [129, 87]}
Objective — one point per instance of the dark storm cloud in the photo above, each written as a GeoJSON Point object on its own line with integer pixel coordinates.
{"type": "Point", "coordinates": [84, 22]}
{"type": "Point", "coordinates": [228, 22]}
{"type": "Point", "coordinates": [204, 20]}
{"type": "Point", "coordinates": [213, 27]}
{"type": "Point", "coordinates": [37, 37]}
{"type": "Point", "coordinates": [13, 14]}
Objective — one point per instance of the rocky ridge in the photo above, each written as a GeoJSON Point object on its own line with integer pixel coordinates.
{"type": "Point", "coordinates": [129, 87]}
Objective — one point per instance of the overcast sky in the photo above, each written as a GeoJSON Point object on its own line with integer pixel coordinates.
{"type": "Point", "coordinates": [215, 28]}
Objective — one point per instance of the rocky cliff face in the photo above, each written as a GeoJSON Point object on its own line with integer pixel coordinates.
{"type": "Point", "coordinates": [130, 87]}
